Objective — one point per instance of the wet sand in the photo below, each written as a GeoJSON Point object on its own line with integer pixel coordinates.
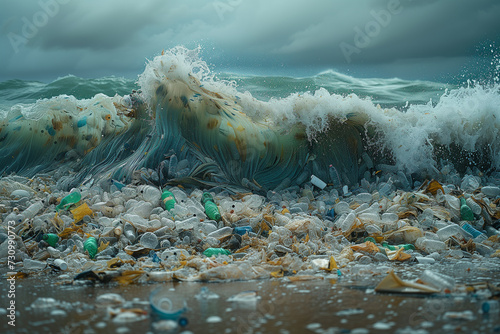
{"type": "Point", "coordinates": [344, 305]}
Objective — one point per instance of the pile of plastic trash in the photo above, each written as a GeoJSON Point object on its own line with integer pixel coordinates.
{"type": "Point", "coordinates": [139, 233]}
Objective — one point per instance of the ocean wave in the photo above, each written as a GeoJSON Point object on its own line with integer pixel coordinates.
{"type": "Point", "coordinates": [188, 123]}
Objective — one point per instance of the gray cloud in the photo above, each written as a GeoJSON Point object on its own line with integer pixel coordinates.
{"type": "Point", "coordinates": [49, 38]}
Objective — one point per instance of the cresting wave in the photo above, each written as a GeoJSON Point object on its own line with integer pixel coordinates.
{"type": "Point", "coordinates": [184, 125]}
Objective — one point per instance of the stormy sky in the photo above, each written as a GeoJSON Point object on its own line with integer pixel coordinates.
{"type": "Point", "coordinates": [427, 39]}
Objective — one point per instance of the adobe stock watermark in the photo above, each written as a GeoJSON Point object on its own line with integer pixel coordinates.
{"type": "Point", "coordinates": [363, 36]}
{"type": "Point", "coordinates": [31, 27]}
{"type": "Point", "coordinates": [222, 7]}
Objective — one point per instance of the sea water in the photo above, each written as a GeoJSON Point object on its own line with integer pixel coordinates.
{"type": "Point", "coordinates": [417, 126]}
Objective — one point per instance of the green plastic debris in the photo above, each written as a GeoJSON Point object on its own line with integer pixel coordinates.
{"type": "Point", "coordinates": [90, 245]}
{"type": "Point", "coordinates": [211, 208]}
{"type": "Point", "coordinates": [72, 198]}
{"type": "Point", "coordinates": [168, 200]}
{"type": "Point", "coordinates": [465, 212]}
{"type": "Point", "coordinates": [216, 251]}
{"type": "Point", "coordinates": [206, 197]}
{"type": "Point", "coordinates": [212, 211]}
{"type": "Point", "coordinates": [396, 247]}
{"type": "Point", "coordinates": [51, 239]}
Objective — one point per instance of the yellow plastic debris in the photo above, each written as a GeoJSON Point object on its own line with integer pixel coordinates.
{"type": "Point", "coordinates": [366, 246]}
{"type": "Point", "coordinates": [397, 255]}
{"type": "Point", "coordinates": [102, 246]}
{"type": "Point", "coordinates": [81, 211]}
{"type": "Point", "coordinates": [392, 283]}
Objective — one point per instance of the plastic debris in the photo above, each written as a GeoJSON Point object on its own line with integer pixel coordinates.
{"type": "Point", "coordinates": [318, 182]}
{"type": "Point", "coordinates": [168, 200]}
{"type": "Point", "coordinates": [291, 234]}
{"type": "Point", "coordinates": [81, 211]}
{"type": "Point", "coordinates": [163, 307]}
{"type": "Point", "coordinates": [392, 283]}
{"type": "Point", "coordinates": [440, 281]}
{"type": "Point", "coordinates": [90, 246]}
{"type": "Point", "coordinates": [73, 198]}
{"type": "Point", "coordinates": [216, 251]}
{"type": "Point", "coordinates": [465, 212]}
{"type": "Point", "coordinates": [61, 264]}
{"type": "Point", "coordinates": [51, 239]}
{"type": "Point", "coordinates": [210, 207]}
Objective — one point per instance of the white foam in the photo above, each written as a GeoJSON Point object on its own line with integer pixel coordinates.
{"type": "Point", "coordinates": [468, 117]}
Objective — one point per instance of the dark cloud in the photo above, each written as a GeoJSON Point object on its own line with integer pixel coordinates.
{"type": "Point", "coordinates": [49, 38]}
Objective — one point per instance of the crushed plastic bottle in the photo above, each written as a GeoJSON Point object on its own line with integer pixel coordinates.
{"type": "Point", "coordinates": [72, 198]}
{"type": "Point", "coordinates": [51, 239]}
{"type": "Point", "coordinates": [90, 246]}
{"type": "Point", "coordinates": [209, 252]}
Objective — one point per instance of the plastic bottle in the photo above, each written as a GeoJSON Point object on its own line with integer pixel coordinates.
{"type": "Point", "coordinates": [331, 213]}
{"type": "Point", "coordinates": [438, 280]}
{"type": "Point", "coordinates": [318, 182]}
{"type": "Point", "coordinates": [168, 200]}
{"type": "Point", "coordinates": [72, 198]}
{"type": "Point", "coordinates": [51, 239]}
{"type": "Point", "coordinates": [216, 251]}
{"type": "Point", "coordinates": [448, 231]}
{"type": "Point", "coordinates": [211, 208]}
{"type": "Point", "coordinates": [242, 230]}
{"type": "Point", "coordinates": [32, 210]}
{"type": "Point", "coordinates": [490, 306]}
{"type": "Point", "coordinates": [212, 211]}
{"type": "Point", "coordinates": [61, 264]}
{"type": "Point", "coordinates": [347, 223]}
{"type": "Point", "coordinates": [221, 233]}
{"type": "Point", "coordinates": [149, 240]}
{"type": "Point", "coordinates": [129, 232]}
{"type": "Point", "coordinates": [90, 245]}
{"type": "Point", "coordinates": [33, 264]}
{"type": "Point", "coordinates": [490, 230]}
{"type": "Point", "coordinates": [465, 212]}
{"type": "Point", "coordinates": [478, 236]}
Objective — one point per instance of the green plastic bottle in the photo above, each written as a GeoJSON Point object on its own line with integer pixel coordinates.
{"type": "Point", "coordinates": [72, 198]}
{"type": "Point", "coordinates": [211, 208]}
{"type": "Point", "coordinates": [51, 239]}
{"type": "Point", "coordinates": [90, 245]}
{"type": "Point", "coordinates": [212, 211]}
{"type": "Point", "coordinates": [216, 251]}
{"type": "Point", "coordinates": [465, 212]}
{"type": "Point", "coordinates": [206, 197]}
{"type": "Point", "coordinates": [168, 200]}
